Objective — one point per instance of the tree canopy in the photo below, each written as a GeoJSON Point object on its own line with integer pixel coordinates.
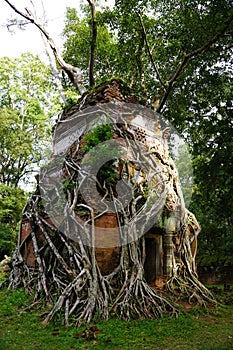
{"type": "Point", "coordinates": [178, 56]}
{"type": "Point", "coordinates": [27, 101]}
{"type": "Point", "coordinates": [156, 46]}
{"type": "Point", "coordinates": [12, 201]}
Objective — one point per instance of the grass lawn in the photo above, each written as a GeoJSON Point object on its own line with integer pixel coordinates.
{"type": "Point", "coordinates": [22, 329]}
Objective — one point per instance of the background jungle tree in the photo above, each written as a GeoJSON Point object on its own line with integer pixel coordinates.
{"type": "Point", "coordinates": [27, 101]}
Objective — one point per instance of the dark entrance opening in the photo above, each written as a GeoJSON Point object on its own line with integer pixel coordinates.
{"type": "Point", "coordinates": [150, 263]}
{"type": "Point", "coordinates": [153, 266]}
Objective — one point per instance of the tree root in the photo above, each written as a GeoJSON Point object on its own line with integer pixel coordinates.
{"type": "Point", "coordinates": [66, 271]}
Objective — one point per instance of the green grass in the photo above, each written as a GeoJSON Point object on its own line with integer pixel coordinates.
{"type": "Point", "coordinates": [22, 329]}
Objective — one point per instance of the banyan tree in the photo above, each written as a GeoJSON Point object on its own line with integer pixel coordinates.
{"type": "Point", "coordinates": [107, 231]}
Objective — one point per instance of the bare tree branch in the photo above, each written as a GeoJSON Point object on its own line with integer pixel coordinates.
{"type": "Point", "coordinates": [20, 25]}
{"type": "Point", "coordinates": [93, 42]}
{"type": "Point", "coordinates": [74, 73]}
{"type": "Point", "coordinates": [149, 50]}
{"type": "Point", "coordinates": [189, 57]}
{"type": "Point", "coordinates": [51, 58]}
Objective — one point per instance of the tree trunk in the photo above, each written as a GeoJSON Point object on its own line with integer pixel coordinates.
{"type": "Point", "coordinates": [85, 184]}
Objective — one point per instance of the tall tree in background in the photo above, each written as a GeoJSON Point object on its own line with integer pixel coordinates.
{"type": "Point", "coordinates": [27, 101]}
{"type": "Point", "coordinates": [157, 47]}
{"type": "Point", "coordinates": [12, 202]}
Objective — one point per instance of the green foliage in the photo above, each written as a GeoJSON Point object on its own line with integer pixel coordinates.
{"type": "Point", "coordinates": [21, 328]}
{"type": "Point", "coordinates": [172, 31]}
{"type": "Point", "coordinates": [108, 173]}
{"type": "Point", "coordinates": [8, 236]}
{"type": "Point", "coordinates": [100, 133]}
{"type": "Point", "coordinates": [77, 35]}
{"type": "Point", "coordinates": [71, 98]}
{"type": "Point", "coordinates": [27, 101]}
{"type": "Point", "coordinates": [206, 120]}
{"type": "Point", "coordinates": [213, 165]}
{"type": "Point", "coordinates": [12, 202]}
{"type": "Point", "coordinates": [97, 149]}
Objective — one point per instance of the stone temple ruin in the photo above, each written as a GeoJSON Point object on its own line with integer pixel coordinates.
{"type": "Point", "coordinates": [128, 231]}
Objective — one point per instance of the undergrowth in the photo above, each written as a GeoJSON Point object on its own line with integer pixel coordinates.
{"type": "Point", "coordinates": [21, 328]}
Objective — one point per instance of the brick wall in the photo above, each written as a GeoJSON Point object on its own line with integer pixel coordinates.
{"type": "Point", "coordinates": [107, 242]}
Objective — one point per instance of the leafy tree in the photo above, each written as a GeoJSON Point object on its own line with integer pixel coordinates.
{"type": "Point", "coordinates": [12, 201]}
{"type": "Point", "coordinates": [77, 47]}
{"type": "Point", "coordinates": [213, 172]}
{"type": "Point", "coordinates": [27, 101]}
{"type": "Point", "coordinates": [156, 46]}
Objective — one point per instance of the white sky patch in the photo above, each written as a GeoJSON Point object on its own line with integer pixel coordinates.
{"type": "Point", "coordinates": [14, 44]}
